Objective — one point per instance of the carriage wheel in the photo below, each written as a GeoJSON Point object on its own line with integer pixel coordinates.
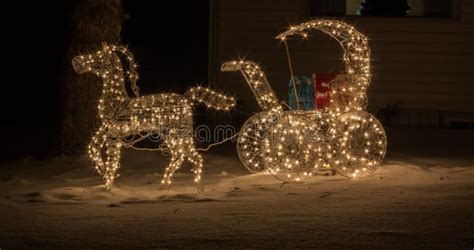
{"type": "Point", "coordinates": [359, 143]}
{"type": "Point", "coordinates": [294, 147]}
{"type": "Point", "coordinates": [251, 137]}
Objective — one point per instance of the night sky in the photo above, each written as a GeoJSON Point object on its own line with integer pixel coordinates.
{"type": "Point", "coordinates": [168, 39]}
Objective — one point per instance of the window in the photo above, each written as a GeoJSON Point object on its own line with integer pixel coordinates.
{"type": "Point", "coordinates": [396, 8]}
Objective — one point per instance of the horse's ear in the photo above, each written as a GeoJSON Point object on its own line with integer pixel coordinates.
{"type": "Point", "coordinates": [104, 45]}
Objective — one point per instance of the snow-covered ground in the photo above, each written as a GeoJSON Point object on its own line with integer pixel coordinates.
{"type": "Point", "coordinates": [409, 202]}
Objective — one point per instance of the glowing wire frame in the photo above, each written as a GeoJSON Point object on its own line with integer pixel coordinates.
{"type": "Point", "coordinates": [126, 121]}
{"type": "Point", "coordinates": [295, 145]}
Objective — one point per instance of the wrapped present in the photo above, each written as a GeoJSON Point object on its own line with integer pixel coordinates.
{"type": "Point", "coordinates": [322, 89]}
{"type": "Point", "coordinates": [340, 94]}
{"type": "Point", "coordinates": [305, 92]}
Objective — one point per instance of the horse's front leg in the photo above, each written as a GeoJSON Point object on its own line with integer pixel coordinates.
{"type": "Point", "coordinates": [112, 161]}
{"type": "Point", "coordinates": [175, 164]}
{"type": "Point", "coordinates": [95, 147]}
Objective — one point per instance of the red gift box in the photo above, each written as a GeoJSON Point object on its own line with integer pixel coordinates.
{"type": "Point", "coordinates": [322, 90]}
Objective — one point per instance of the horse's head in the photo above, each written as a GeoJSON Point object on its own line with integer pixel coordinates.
{"type": "Point", "coordinates": [100, 63]}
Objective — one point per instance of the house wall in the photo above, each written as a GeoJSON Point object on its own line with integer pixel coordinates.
{"type": "Point", "coordinates": [418, 64]}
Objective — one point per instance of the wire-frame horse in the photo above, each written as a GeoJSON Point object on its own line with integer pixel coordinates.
{"type": "Point", "coordinates": [125, 120]}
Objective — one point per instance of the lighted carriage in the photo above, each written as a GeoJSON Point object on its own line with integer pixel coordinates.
{"type": "Point", "coordinates": [294, 145]}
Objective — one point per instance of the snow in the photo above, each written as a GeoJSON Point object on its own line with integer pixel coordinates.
{"type": "Point", "coordinates": [415, 202]}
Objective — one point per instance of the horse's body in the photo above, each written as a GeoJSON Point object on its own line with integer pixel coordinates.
{"type": "Point", "coordinates": [166, 115]}
{"type": "Point", "coordinates": [158, 113]}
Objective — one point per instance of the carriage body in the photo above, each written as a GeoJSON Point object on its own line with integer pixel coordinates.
{"type": "Point", "coordinates": [295, 145]}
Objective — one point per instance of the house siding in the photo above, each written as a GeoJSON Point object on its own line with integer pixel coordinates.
{"type": "Point", "coordinates": [417, 63]}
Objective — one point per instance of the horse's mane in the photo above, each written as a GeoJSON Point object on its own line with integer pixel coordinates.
{"type": "Point", "coordinates": [131, 72]}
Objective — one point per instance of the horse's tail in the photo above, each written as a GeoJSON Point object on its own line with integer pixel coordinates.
{"type": "Point", "coordinates": [210, 98]}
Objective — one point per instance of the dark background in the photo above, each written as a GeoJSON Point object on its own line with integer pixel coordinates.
{"type": "Point", "coordinates": [169, 40]}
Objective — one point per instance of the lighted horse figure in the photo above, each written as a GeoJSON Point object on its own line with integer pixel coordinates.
{"type": "Point", "coordinates": [125, 120]}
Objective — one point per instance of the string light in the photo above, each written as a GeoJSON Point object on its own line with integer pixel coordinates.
{"type": "Point", "coordinates": [295, 145]}
{"type": "Point", "coordinates": [126, 121]}
{"type": "Point", "coordinates": [257, 81]}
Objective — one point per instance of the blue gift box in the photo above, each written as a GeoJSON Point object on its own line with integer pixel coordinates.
{"type": "Point", "coordinates": [305, 92]}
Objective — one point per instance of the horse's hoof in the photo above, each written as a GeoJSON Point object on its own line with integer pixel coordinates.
{"type": "Point", "coordinates": [108, 187]}
{"type": "Point", "coordinates": [164, 187]}
{"type": "Point", "coordinates": [200, 189]}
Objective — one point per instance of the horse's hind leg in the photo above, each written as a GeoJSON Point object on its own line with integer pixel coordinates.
{"type": "Point", "coordinates": [196, 159]}
{"type": "Point", "coordinates": [112, 162]}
